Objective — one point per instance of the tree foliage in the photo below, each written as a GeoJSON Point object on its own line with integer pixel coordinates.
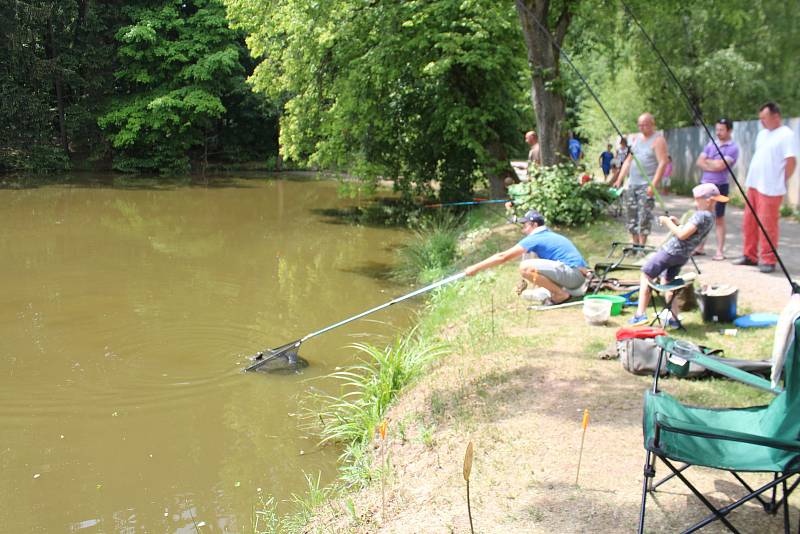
{"type": "Point", "coordinates": [730, 56]}
{"type": "Point", "coordinates": [166, 78]}
{"type": "Point", "coordinates": [412, 91]}
{"type": "Point", "coordinates": [54, 63]}
{"type": "Point", "coordinates": [178, 61]}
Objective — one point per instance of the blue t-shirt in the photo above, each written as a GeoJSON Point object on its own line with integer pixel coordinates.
{"type": "Point", "coordinates": [574, 149]}
{"type": "Point", "coordinates": [549, 245]}
{"type": "Point", "coordinates": [605, 160]}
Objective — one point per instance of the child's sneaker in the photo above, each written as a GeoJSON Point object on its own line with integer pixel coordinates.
{"type": "Point", "coordinates": [673, 324]}
{"type": "Point", "coordinates": [637, 320]}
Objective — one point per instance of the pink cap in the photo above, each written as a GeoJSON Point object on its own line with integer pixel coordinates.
{"type": "Point", "coordinates": [709, 191]}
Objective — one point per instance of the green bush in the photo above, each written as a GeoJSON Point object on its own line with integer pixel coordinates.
{"type": "Point", "coordinates": [556, 193]}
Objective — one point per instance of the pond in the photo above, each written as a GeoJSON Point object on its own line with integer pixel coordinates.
{"type": "Point", "coordinates": [126, 318]}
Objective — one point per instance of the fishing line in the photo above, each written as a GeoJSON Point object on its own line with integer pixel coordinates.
{"type": "Point", "coordinates": [698, 116]}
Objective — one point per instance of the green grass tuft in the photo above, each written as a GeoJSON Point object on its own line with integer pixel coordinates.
{"type": "Point", "coordinates": [432, 250]}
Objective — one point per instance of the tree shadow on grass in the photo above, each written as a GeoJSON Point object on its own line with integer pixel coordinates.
{"type": "Point", "coordinates": [500, 394]}
{"type": "Point", "coordinates": [573, 508]}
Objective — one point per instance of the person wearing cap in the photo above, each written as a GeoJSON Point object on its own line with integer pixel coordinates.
{"type": "Point", "coordinates": [772, 165]}
{"type": "Point", "coordinates": [712, 163]}
{"type": "Point", "coordinates": [558, 267]}
{"type": "Point", "coordinates": [675, 252]}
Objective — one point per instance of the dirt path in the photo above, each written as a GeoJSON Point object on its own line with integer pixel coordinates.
{"type": "Point", "coordinates": [519, 398]}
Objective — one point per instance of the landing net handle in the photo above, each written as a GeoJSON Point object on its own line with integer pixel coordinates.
{"type": "Point", "coordinates": [262, 357]}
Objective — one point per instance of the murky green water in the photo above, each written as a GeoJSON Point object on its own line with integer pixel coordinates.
{"type": "Point", "coordinates": [125, 318]}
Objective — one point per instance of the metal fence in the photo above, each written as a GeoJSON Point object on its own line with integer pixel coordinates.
{"type": "Point", "coordinates": [686, 144]}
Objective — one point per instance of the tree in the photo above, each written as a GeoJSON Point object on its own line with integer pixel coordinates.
{"type": "Point", "coordinates": [411, 91]}
{"type": "Point", "coordinates": [730, 56]}
{"type": "Point", "coordinates": [545, 25]}
{"type": "Point", "coordinates": [179, 63]}
{"type": "Point", "coordinates": [55, 62]}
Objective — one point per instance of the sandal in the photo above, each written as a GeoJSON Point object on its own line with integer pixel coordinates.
{"type": "Point", "coordinates": [521, 286]}
{"type": "Point", "coordinates": [719, 257]}
{"type": "Point", "coordinates": [699, 253]}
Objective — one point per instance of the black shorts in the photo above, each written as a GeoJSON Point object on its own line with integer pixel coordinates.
{"type": "Point", "coordinates": [724, 189]}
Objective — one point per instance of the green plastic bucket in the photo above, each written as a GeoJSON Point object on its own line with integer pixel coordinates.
{"type": "Point", "coordinates": [616, 302]}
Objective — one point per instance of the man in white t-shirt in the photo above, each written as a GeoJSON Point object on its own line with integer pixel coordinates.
{"type": "Point", "coordinates": [772, 165]}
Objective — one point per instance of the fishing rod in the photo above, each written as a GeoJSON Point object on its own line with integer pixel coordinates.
{"type": "Point", "coordinates": [561, 51]}
{"type": "Point", "coordinates": [698, 116]}
{"type": "Point", "coordinates": [289, 350]}
{"type": "Point", "coordinates": [466, 203]}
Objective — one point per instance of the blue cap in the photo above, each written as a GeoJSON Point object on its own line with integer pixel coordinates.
{"type": "Point", "coordinates": [531, 216]}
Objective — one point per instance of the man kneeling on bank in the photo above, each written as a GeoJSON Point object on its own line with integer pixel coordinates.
{"type": "Point", "coordinates": [559, 267]}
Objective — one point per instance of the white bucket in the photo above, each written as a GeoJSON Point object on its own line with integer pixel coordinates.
{"type": "Point", "coordinates": [597, 311]}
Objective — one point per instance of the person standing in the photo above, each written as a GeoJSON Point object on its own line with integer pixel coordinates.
{"type": "Point", "coordinates": [716, 172]}
{"type": "Point", "coordinates": [666, 180]}
{"type": "Point", "coordinates": [773, 163]}
{"type": "Point", "coordinates": [534, 154]}
{"type": "Point", "coordinates": [575, 149]}
{"type": "Point", "coordinates": [605, 161]}
{"type": "Point", "coordinates": [619, 158]}
{"type": "Point", "coordinates": [650, 151]}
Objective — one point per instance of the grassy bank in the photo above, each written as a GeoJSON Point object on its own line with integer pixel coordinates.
{"type": "Point", "coordinates": [480, 367]}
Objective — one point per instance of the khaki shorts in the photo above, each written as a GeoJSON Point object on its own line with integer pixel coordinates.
{"type": "Point", "coordinates": [560, 273]}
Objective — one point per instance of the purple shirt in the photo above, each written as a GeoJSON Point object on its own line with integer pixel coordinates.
{"type": "Point", "coordinates": [730, 150]}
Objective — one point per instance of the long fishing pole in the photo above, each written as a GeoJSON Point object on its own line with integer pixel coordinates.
{"type": "Point", "coordinates": [698, 116]}
{"type": "Point", "coordinates": [263, 358]}
{"type": "Point", "coordinates": [465, 203]}
{"type": "Point", "coordinates": [561, 51]}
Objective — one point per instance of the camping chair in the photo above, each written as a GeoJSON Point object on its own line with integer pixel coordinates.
{"type": "Point", "coordinates": [674, 288]}
{"type": "Point", "coordinates": [627, 251]}
{"type": "Point", "coordinates": [754, 439]}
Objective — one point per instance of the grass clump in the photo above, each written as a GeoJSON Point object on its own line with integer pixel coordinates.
{"type": "Point", "coordinates": [366, 392]}
{"type": "Point", "coordinates": [432, 250]}
{"type": "Point", "coordinates": [266, 519]}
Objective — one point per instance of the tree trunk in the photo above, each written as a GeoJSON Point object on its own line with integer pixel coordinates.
{"type": "Point", "coordinates": [497, 176]}
{"type": "Point", "coordinates": [543, 60]}
{"type": "Point", "coordinates": [51, 52]}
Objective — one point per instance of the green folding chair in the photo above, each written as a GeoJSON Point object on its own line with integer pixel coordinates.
{"type": "Point", "coordinates": [737, 440]}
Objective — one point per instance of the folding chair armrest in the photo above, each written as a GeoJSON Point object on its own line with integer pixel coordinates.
{"type": "Point", "coordinates": [671, 424]}
{"type": "Point", "coordinates": [668, 344]}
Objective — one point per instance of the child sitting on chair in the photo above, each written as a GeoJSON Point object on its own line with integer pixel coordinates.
{"type": "Point", "coordinates": [674, 254]}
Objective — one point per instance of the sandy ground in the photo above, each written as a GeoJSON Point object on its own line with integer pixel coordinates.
{"type": "Point", "coordinates": [522, 409]}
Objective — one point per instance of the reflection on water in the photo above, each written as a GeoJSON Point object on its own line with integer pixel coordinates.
{"type": "Point", "coordinates": [126, 317]}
